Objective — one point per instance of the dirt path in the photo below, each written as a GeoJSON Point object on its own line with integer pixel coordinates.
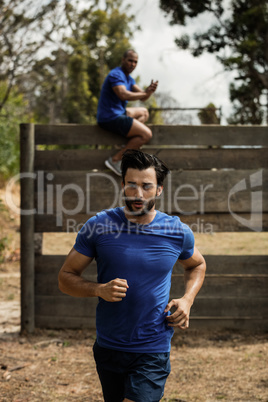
{"type": "Point", "coordinates": [58, 366]}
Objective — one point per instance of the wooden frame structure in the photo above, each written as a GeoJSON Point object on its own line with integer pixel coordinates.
{"type": "Point", "coordinates": [218, 183]}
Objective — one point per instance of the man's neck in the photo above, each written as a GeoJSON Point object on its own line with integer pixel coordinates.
{"type": "Point", "coordinates": [141, 219]}
{"type": "Point", "coordinates": [127, 74]}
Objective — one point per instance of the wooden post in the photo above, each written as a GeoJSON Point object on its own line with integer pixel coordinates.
{"type": "Point", "coordinates": [27, 226]}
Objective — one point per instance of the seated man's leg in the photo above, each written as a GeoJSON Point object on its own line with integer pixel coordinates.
{"type": "Point", "coordinates": [138, 135]}
{"type": "Point", "coordinates": [139, 113]}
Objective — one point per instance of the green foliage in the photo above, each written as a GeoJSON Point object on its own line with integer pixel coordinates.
{"type": "Point", "coordinates": [13, 113]}
{"type": "Point", "coordinates": [208, 115]}
{"type": "Point", "coordinates": [3, 244]}
{"type": "Point", "coordinates": [155, 116]}
{"type": "Point", "coordinates": [247, 108]}
{"type": "Point", "coordinates": [238, 36]}
{"type": "Point", "coordinates": [24, 27]}
{"type": "Point", "coordinates": [67, 84]}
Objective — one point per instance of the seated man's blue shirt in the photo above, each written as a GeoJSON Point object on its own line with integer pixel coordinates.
{"type": "Point", "coordinates": [144, 255]}
{"type": "Point", "coordinates": [110, 106]}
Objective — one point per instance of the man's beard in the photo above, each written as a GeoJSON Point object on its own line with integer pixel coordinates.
{"type": "Point", "coordinates": [147, 206]}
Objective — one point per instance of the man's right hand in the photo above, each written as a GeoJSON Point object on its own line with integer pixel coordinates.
{"type": "Point", "coordinates": [113, 291]}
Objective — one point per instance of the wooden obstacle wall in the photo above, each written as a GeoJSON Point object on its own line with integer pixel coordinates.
{"type": "Point", "coordinates": [218, 184]}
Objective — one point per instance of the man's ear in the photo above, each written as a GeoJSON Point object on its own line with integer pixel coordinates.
{"type": "Point", "coordinates": [159, 190]}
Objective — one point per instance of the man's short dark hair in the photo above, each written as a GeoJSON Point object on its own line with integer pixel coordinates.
{"type": "Point", "coordinates": [125, 54]}
{"type": "Point", "coordinates": [135, 159]}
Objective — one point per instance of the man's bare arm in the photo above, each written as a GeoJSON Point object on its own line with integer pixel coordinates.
{"type": "Point", "coordinates": [72, 283]}
{"type": "Point", "coordinates": [194, 275]}
{"type": "Point", "coordinates": [125, 95]}
{"type": "Point", "coordinates": [136, 94]}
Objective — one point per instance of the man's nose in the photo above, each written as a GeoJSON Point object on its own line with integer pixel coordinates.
{"type": "Point", "coordinates": [139, 192]}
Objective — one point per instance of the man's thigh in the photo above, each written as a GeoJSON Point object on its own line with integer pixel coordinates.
{"type": "Point", "coordinates": [139, 113]}
{"type": "Point", "coordinates": [138, 377]}
{"type": "Point", "coordinates": [111, 377]}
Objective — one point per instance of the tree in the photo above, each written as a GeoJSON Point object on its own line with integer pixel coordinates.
{"type": "Point", "coordinates": [208, 115]}
{"type": "Point", "coordinates": [238, 36]}
{"type": "Point", "coordinates": [13, 112]}
{"type": "Point", "coordinates": [66, 84]}
{"type": "Point", "coordinates": [25, 25]}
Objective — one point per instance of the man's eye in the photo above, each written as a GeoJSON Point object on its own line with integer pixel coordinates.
{"type": "Point", "coordinates": [147, 186]}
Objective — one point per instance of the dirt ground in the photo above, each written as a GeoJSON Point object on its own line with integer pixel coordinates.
{"type": "Point", "coordinates": [58, 365]}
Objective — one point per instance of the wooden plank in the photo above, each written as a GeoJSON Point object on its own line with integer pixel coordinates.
{"type": "Point", "coordinates": [186, 192]}
{"type": "Point", "coordinates": [216, 264]}
{"type": "Point", "coordinates": [199, 223]}
{"type": "Point", "coordinates": [65, 322]}
{"type": "Point", "coordinates": [230, 306]}
{"type": "Point", "coordinates": [236, 264]}
{"type": "Point", "coordinates": [228, 323]}
{"type": "Point", "coordinates": [225, 286]}
{"type": "Point", "coordinates": [210, 135]}
{"type": "Point", "coordinates": [228, 285]}
{"type": "Point", "coordinates": [27, 226]}
{"type": "Point", "coordinates": [80, 159]}
{"type": "Point", "coordinates": [63, 305]}
{"type": "Point", "coordinates": [59, 306]}
{"type": "Point", "coordinates": [188, 200]}
{"type": "Point", "coordinates": [196, 323]}
{"type": "Point", "coordinates": [47, 284]}
{"type": "Point", "coordinates": [69, 134]}
{"type": "Point", "coordinates": [219, 179]}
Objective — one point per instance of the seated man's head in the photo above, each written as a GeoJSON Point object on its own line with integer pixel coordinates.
{"type": "Point", "coordinates": [129, 61]}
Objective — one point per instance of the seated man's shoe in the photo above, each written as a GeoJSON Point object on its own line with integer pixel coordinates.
{"type": "Point", "coordinates": [114, 166]}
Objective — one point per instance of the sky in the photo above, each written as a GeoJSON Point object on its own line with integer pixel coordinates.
{"type": "Point", "coordinates": [191, 81]}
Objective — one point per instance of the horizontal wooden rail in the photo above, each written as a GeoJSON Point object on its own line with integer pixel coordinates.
{"type": "Point", "coordinates": [235, 290]}
{"type": "Point", "coordinates": [71, 134]}
{"type": "Point", "coordinates": [185, 192]}
{"type": "Point", "coordinates": [52, 306]}
{"type": "Point", "coordinates": [197, 323]}
{"type": "Point", "coordinates": [199, 223]}
{"type": "Point", "coordinates": [216, 265]}
{"type": "Point", "coordinates": [187, 159]}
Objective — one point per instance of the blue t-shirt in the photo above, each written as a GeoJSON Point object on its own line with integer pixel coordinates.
{"type": "Point", "coordinates": [110, 106]}
{"type": "Point", "coordinates": [144, 255]}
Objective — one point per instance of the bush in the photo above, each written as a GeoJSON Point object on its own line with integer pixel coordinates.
{"type": "Point", "coordinates": [11, 115]}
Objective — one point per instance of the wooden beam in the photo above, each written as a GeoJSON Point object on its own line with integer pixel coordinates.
{"type": "Point", "coordinates": [199, 223]}
{"type": "Point", "coordinates": [196, 323]}
{"type": "Point", "coordinates": [186, 159]}
{"type": "Point", "coordinates": [216, 265]}
{"type": "Point", "coordinates": [59, 306]}
{"type": "Point", "coordinates": [27, 226]}
{"type": "Point", "coordinates": [72, 134]}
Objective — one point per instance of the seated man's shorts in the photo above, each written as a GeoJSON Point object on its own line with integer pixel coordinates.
{"type": "Point", "coordinates": [121, 125]}
{"type": "Point", "coordinates": [140, 377]}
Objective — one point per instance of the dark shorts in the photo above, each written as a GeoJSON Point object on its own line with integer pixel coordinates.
{"type": "Point", "coordinates": [121, 125]}
{"type": "Point", "coordinates": [140, 377]}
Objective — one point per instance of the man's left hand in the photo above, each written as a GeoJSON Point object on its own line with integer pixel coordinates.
{"type": "Point", "coordinates": [152, 87]}
{"type": "Point", "coordinates": [180, 317]}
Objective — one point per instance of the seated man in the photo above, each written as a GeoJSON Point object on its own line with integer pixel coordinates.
{"type": "Point", "coordinates": [113, 115]}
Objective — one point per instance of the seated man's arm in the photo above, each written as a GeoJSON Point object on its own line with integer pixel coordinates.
{"type": "Point", "coordinates": [72, 283]}
{"type": "Point", "coordinates": [125, 95]}
{"type": "Point", "coordinates": [136, 93]}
